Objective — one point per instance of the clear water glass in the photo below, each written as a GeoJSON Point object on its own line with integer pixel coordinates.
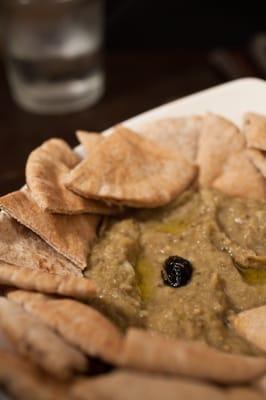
{"type": "Point", "coordinates": [53, 53]}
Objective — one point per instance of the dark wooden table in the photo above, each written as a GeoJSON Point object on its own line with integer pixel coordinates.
{"type": "Point", "coordinates": [136, 82]}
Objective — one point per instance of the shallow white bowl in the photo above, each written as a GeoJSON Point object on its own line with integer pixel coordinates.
{"type": "Point", "coordinates": [231, 100]}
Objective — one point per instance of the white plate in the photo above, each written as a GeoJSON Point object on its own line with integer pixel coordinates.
{"type": "Point", "coordinates": [231, 100]}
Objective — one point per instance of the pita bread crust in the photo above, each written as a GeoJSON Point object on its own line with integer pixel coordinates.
{"type": "Point", "coordinates": [44, 282]}
{"type": "Point", "coordinates": [72, 236]}
{"type": "Point", "coordinates": [24, 381]}
{"type": "Point", "coordinates": [45, 170]}
{"type": "Point", "coordinates": [121, 385]}
{"type": "Point", "coordinates": [251, 324]}
{"type": "Point", "coordinates": [78, 323]}
{"type": "Point", "coordinates": [179, 134]}
{"type": "Point", "coordinates": [219, 140]}
{"type": "Point", "coordinates": [89, 140]}
{"type": "Point", "coordinates": [241, 178]}
{"type": "Point", "coordinates": [37, 341]}
{"type": "Point", "coordinates": [258, 158]}
{"type": "Point", "coordinates": [21, 247]}
{"type": "Point", "coordinates": [254, 127]}
{"type": "Point", "coordinates": [126, 168]}
{"type": "Point", "coordinates": [155, 353]}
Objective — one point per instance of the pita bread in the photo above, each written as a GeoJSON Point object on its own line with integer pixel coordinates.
{"type": "Point", "coordinates": [244, 393]}
{"type": "Point", "coordinates": [121, 385]}
{"type": "Point", "coordinates": [21, 247]}
{"type": "Point", "coordinates": [258, 158]}
{"type": "Point", "coordinates": [240, 178]}
{"type": "Point", "coordinates": [251, 324]}
{"type": "Point", "coordinates": [24, 381]}
{"type": "Point", "coordinates": [179, 134]}
{"type": "Point", "coordinates": [45, 169]}
{"type": "Point", "coordinates": [126, 168]}
{"type": "Point", "coordinates": [254, 127]}
{"type": "Point", "coordinates": [219, 140]}
{"type": "Point", "coordinates": [72, 236]}
{"type": "Point", "coordinates": [155, 353]}
{"type": "Point", "coordinates": [88, 140]}
{"type": "Point", "coordinates": [37, 341]}
{"type": "Point", "coordinates": [44, 282]}
{"type": "Point", "coordinates": [5, 343]}
{"type": "Point", "coordinates": [78, 323]}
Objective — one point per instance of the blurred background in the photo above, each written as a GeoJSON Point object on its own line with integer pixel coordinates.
{"type": "Point", "coordinates": [154, 52]}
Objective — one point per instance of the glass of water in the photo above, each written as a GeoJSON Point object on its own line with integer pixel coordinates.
{"type": "Point", "coordinates": [54, 53]}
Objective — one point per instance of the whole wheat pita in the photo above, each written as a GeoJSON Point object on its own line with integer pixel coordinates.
{"type": "Point", "coordinates": [244, 393]}
{"type": "Point", "coordinates": [70, 235]}
{"type": "Point", "coordinates": [24, 381]}
{"type": "Point", "coordinates": [21, 247]}
{"type": "Point", "coordinates": [254, 127]}
{"type": "Point", "coordinates": [121, 385]}
{"type": "Point", "coordinates": [88, 140]}
{"type": "Point", "coordinates": [44, 282]}
{"type": "Point", "coordinates": [154, 353]}
{"type": "Point", "coordinates": [78, 323]}
{"type": "Point", "coordinates": [45, 170]}
{"type": "Point", "coordinates": [126, 168]}
{"type": "Point", "coordinates": [180, 134]}
{"type": "Point", "coordinates": [219, 140]}
{"type": "Point", "coordinates": [251, 324]}
{"type": "Point", "coordinates": [240, 178]}
{"type": "Point", "coordinates": [36, 341]}
{"type": "Point", "coordinates": [258, 158]}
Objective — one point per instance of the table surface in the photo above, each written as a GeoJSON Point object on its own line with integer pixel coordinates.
{"type": "Point", "coordinates": [135, 83]}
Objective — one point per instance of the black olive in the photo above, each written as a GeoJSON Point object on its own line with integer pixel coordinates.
{"type": "Point", "coordinates": [176, 271]}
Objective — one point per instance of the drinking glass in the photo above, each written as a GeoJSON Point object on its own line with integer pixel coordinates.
{"type": "Point", "coordinates": [53, 53]}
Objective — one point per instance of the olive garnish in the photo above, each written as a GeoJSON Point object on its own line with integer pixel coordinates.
{"type": "Point", "coordinates": [176, 271]}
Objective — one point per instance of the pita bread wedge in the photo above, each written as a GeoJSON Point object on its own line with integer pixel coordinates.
{"type": "Point", "coordinates": [251, 324]}
{"type": "Point", "coordinates": [155, 353]}
{"type": "Point", "coordinates": [38, 342]}
{"type": "Point", "coordinates": [21, 247]}
{"type": "Point", "coordinates": [44, 282]}
{"type": "Point", "coordinates": [241, 178]}
{"type": "Point", "coordinates": [78, 323]}
{"type": "Point", "coordinates": [180, 134]}
{"type": "Point", "coordinates": [72, 236]}
{"type": "Point", "coordinates": [121, 385]}
{"type": "Point", "coordinates": [219, 140]}
{"type": "Point", "coordinates": [259, 160]}
{"type": "Point", "coordinates": [126, 168]}
{"type": "Point", "coordinates": [254, 127]}
{"type": "Point", "coordinates": [89, 140]}
{"type": "Point", "coordinates": [244, 393]}
{"type": "Point", "coordinates": [45, 169]}
{"type": "Point", "coordinates": [23, 381]}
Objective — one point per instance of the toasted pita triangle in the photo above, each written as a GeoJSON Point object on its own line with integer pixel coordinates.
{"type": "Point", "coordinates": [251, 324]}
{"type": "Point", "coordinates": [88, 140]}
{"type": "Point", "coordinates": [128, 169]}
{"type": "Point", "coordinates": [180, 134]}
{"type": "Point", "coordinates": [21, 247]}
{"type": "Point", "coordinates": [254, 127]}
{"type": "Point", "coordinates": [24, 381]}
{"type": "Point", "coordinates": [240, 178]}
{"type": "Point", "coordinates": [219, 140]}
{"type": "Point", "coordinates": [46, 167]}
{"type": "Point", "coordinates": [138, 386]}
{"type": "Point", "coordinates": [78, 323]}
{"type": "Point", "coordinates": [155, 353]}
{"type": "Point", "coordinates": [72, 236]}
{"type": "Point", "coordinates": [37, 341]}
{"type": "Point", "coordinates": [258, 158]}
{"type": "Point", "coordinates": [25, 278]}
